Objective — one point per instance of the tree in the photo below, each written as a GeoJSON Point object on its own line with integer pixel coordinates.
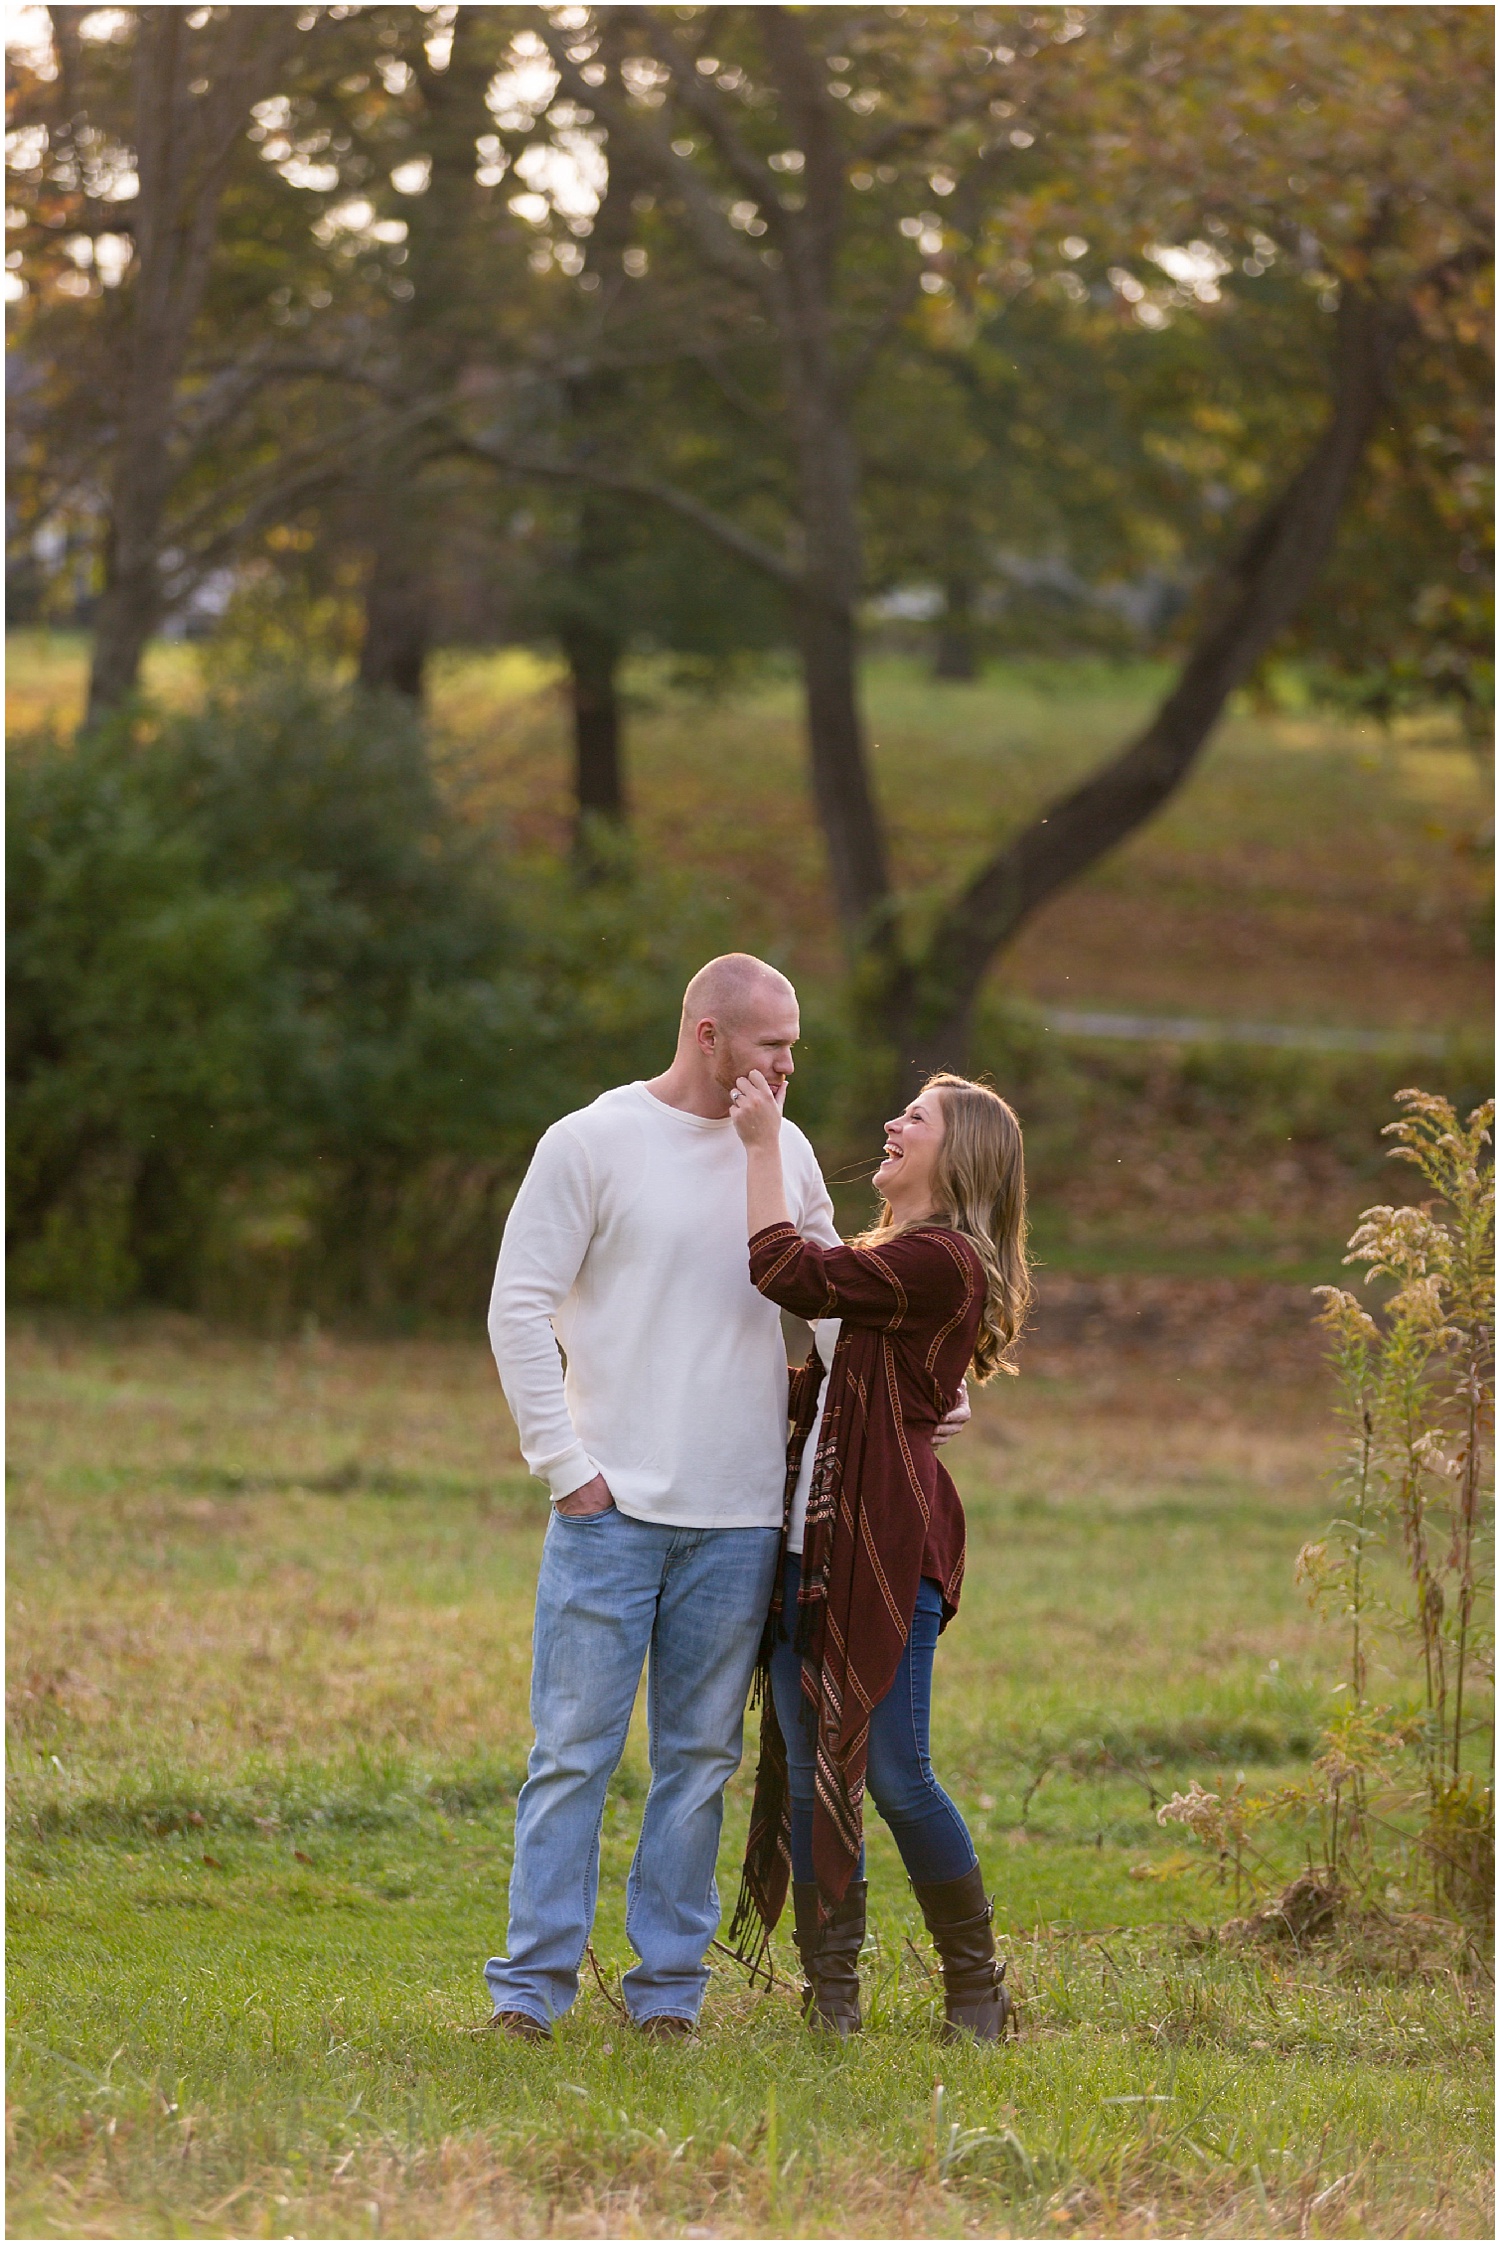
{"type": "Point", "coordinates": [1156, 129]}
{"type": "Point", "coordinates": [193, 84]}
{"type": "Point", "coordinates": [420, 97]}
{"type": "Point", "coordinates": [1389, 224]}
{"type": "Point", "coordinates": [163, 249]}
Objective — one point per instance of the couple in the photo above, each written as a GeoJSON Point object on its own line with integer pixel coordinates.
{"type": "Point", "coordinates": [655, 1238]}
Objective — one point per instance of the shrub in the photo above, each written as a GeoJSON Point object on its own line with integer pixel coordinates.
{"type": "Point", "coordinates": [284, 1024]}
{"type": "Point", "coordinates": [137, 1048]}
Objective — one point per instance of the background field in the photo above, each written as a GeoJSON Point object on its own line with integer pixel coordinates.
{"type": "Point", "coordinates": [268, 1664]}
{"type": "Point", "coordinates": [1311, 874]}
{"type": "Point", "coordinates": [270, 1599]}
{"type": "Point", "coordinates": [1334, 873]}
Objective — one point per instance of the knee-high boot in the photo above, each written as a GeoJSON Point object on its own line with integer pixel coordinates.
{"type": "Point", "coordinates": [830, 1956]}
{"type": "Point", "coordinates": [958, 1918]}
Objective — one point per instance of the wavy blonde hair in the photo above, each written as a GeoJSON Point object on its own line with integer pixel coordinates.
{"type": "Point", "coordinates": [979, 1182]}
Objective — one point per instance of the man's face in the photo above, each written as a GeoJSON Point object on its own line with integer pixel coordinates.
{"type": "Point", "coordinates": [761, 1037]}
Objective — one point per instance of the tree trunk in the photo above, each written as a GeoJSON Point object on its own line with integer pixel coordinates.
{"type": "Point", "coordinates": [956, 657]}
{"type": "Point", "coordinates": [928, 1011]}
{"type": "Point", "coordinates": [594, 656]}
{"type": "Point", "coordinates": [827, 632]}
{"type": "Point", "coordinates": [398, 605]}
{"type": "Point", "coordinates": [846, 808]}
{"type": "Point", "coordinates": [193, 89]}
{"type": "Point", "coordinates": [433, 339]}
{"type": "Point", "coordinates": [130, 605]}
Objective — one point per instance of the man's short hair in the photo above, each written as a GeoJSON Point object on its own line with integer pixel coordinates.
{"type": "Point", "coordinates": [722, 990]}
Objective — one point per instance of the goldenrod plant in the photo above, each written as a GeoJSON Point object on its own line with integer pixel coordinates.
{"type": "Point", "coordinates": [1415, 1388]}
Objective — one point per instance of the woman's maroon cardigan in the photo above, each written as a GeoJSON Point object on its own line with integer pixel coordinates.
{"type": "Point", "coordinates": [882, 1512]}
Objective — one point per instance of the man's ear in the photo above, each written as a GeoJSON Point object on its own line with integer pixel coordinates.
{"type": "Point", "coordinates": [706, 1035]}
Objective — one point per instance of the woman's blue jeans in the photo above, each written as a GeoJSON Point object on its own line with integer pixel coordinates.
{"type": "Point", "coordinates": [927, 1828]}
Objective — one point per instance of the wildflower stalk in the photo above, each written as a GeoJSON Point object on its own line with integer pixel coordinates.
{"type": "Point", "coordinates": [1450, 1158]}
{"type": "Point", "coordinates": [1416, 1393]}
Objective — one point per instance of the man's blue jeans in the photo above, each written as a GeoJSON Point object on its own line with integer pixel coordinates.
{"type": "Point", "coordinates": [611, 1591]}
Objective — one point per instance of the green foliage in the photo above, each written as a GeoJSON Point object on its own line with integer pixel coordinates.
{"type": "Point", "coordinates": [284, 1026]}
{"type": "Point", "coordinates": [137, 1049]}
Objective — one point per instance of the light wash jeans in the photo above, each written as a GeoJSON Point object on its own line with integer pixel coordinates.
{"type": "Point", "coordinates": [611, 1590]}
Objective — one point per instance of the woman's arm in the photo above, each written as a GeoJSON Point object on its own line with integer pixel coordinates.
{"type": "Point", "coordinates": [916, 1275]}
{"type": "Point", "coordinates": [906, 1281]}
{"type": "Point", "coordinates": [755, 1112]}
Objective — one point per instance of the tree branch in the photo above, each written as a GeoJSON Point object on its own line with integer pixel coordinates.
{"type": "Point", "coordinates": [327, 456]}
{"type": "Point", "coordinates": [810, 113]}
{"type": "Point", "coordinates": [707, 105]}
{"type": "Point", "coordinates": [1253, 599]}
{"type": "Point", "coordinates": [743, 543]}
{"type": "Point", "coordinates": [901, 302]}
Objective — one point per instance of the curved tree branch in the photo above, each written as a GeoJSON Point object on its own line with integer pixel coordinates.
{"type": "Point", "coordinates": [651, 147]}
{"type": "Point", "coordinates": [1252, 600]}
{"type": "Point", "coordinates": [743, 543]}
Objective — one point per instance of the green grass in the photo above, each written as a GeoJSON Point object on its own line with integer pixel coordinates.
{"type": "Point", "coordinates": [270, 1602]}
{"type": "Point", "coordinates": [270, 1606]}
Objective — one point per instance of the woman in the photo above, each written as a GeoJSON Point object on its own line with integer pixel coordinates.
{"type": "Point", "coordinates": [873, 1545]}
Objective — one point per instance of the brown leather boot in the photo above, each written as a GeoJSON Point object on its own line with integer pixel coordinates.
{"type": "Point", "coordinates": [958, 1918]}
{"type": "Point", "coordinates": [830, 1957]}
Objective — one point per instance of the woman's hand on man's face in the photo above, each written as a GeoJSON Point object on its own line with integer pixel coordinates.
{"type": "Point", "coordinates": [755, 1110]}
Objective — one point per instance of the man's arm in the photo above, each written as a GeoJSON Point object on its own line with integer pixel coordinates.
{"type": "Point", "coordinates": [547, 1235]}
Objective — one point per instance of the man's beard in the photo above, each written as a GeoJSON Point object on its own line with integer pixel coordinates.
{"type": "Point", "coordinates": [729, 1073]}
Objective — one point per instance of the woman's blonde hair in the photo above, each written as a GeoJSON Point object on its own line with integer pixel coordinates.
{"type": "Point", "coordinates": [979, 1183]}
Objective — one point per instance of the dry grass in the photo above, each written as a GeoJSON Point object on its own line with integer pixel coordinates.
{"type": "Point", "coordinates": [268, 1654]}
{"type": "Point", "coordinates": [217, 1482]}
{"type": "Point", "coordinates": [460, 2189]}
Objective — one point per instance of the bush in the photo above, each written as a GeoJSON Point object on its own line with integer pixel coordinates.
{"type": "Point", "coordinates": [284, 1025]}
{"type": "Point", "coordinates": [137, 1052]}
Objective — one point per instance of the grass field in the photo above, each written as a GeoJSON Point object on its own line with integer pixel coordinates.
{"type": "Point", "coordinates": [270, 1600]}
{"type": "Point", "coordinates": [270, 1610]}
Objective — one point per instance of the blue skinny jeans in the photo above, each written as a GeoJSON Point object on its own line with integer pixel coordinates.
{"type": "Point", "coordinates": [927, 1828]}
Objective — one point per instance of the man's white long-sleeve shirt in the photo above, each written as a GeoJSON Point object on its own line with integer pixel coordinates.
{"type": "Point", "coordinates": [626, 1244]}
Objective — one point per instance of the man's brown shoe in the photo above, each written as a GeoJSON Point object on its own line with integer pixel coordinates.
{"type": "Point", "coordinates": [667, 2026]}
{"type": "Point", "coordinates": [520, 2026]}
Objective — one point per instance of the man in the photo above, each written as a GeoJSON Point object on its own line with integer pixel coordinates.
{"type": "Point", "coordinates": [664, 1448]}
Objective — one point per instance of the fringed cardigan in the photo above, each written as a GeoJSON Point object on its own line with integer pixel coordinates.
{"type": "Point", "coordinates": [881, 1513]}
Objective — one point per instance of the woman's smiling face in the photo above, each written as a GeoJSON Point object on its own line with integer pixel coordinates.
{"type": "Point", "coordinates": [913, 1141]}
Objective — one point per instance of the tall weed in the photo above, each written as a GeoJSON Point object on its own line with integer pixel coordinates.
{"type": "Point", "coordinates": [1415, 1387]}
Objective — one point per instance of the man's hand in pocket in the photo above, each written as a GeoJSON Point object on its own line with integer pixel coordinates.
{"type": "Point", "coordinates": [582, 1504]}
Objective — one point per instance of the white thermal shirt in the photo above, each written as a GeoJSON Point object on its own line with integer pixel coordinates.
{"type": "Point", "coordinates": [626, 1246]}
{"type": "Point", "coordinates": [826, 1335]}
